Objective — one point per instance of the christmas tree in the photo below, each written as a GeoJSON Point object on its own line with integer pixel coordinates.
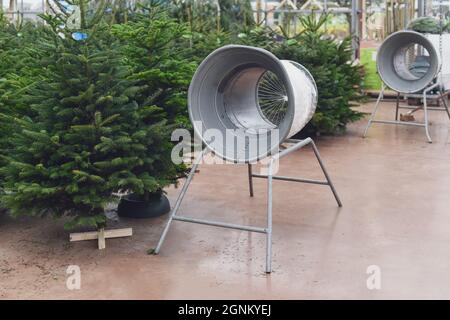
{"type": "Point", "coordinates": [338, 79]}
{"type": "Point", "coordinates": [18, 70]}
{"type": "Point", "coordinates": [85, 136]}
{"type": "Point", "coordinates": [329, 61]}
{"type": "Point", "coordinates": [156, 46]}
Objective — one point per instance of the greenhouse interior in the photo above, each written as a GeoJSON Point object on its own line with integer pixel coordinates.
{"type": "Point", "coordinates": [224, 150]}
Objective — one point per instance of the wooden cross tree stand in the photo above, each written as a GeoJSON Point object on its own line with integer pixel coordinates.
{"type": "Point", "coordinates": [101, 235]}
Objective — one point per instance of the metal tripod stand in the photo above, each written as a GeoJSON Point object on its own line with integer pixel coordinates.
{"type": "Point", "coordinates": [297, 144]}
{"type": "Point", "coordinates": [424, 97]}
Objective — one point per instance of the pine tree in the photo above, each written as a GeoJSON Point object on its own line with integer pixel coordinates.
{"type": "Point", "coordinates": [86, 136]}
{"type": "Point", "coordinates": [18, 70]}
{"type": "Point", "coordinates": [338, 79]}
{"type": "Point", "coordinates": [331, 64]}
{"type": "Point", "coordinates": [156, 47]}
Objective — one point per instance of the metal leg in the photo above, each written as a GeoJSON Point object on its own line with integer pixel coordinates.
{"type": "Point", "coordinates": [319, 159]}
{"type": "Point", "coordinates": [425, 112]}
{"type": "Point", "coordinates": [270, 177]}
{"type": "Point", "coordinates": [372, 116]}
{"type": "Point", "coordinates": [269, 220]}
{"type": "Point", "coordinates": [250, 179]}
{"type": "Point", "coordinates": [298, 145]}
{"type": "Point", "coordinates": [397, 106]}
{"type": "Point", "coordinates": [179, 199]}
{"type": "Point", "coordinates": [425, 109]}
{"type": "Point", "coordinates": [444, 102]}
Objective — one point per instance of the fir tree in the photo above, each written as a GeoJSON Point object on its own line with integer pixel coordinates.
{"type": "Point", "coordinates": [330, 62]}
{"type": "Point", "coordinates": [156, 46]}
{"type": "Point", "coordinates": [18, 71]}
{"type": "Point", "coordinates": [338, 79]}
{"type": "Point", "coordinates": [87, 136]}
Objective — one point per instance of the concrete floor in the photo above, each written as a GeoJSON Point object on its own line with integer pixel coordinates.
{"type": "Point", "coordinates": [396, 193]}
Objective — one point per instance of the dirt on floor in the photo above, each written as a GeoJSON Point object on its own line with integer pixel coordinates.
{"type": "Point", "coordinates": [396, 217]}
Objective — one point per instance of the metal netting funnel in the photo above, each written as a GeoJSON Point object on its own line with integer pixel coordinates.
{"type": "Point", "coordinates": [246, 93]}
{"type": "Point", "coordinates": [244, 101]}
{"type": "Point", "coordinates": [407, 62]}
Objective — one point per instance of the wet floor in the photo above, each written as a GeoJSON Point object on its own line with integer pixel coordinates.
{"type": "Point", "coordinates": [395, 188]}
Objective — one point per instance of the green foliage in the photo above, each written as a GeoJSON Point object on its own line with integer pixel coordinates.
{"type": "Point", "coordinates": [202, 44]}
{"type": "Point", "coordinates": [371, 80]}
{"type": "Point", "coordinates": [153, 45]}
{"type": "Point", "coordinates": [18, 71]}
{"type": "Point", "coordinates": [330, 63]}
{"type": "Point", "coordinates": [428, 25]}
{"type": "Point", "coordinates": [204, 16]}
{"type": "Point", "coordinates": [258, 36]}
{"type": "Point", "coordinates": [337, 78]}
{"type": "Point", "coordinates": [90, 127]}
{"type": "Point", "coordinates": [80, 120]}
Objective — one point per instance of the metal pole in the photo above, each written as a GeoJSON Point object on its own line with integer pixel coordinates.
{"type": "Point", "coordinates": [445, 103]}
{"type": "Point", "coordinates": [316, 151]}
{"type": "Point", "coordinates": [403, 123]}
{"type": "Point", "coordinates": [258, 12]}
{"type": "Point", "coordinates": [429, 108]}
{"type": "Point", "coordinates": [265, 13]}
{"type": "Point", "coordinates": [298, 145]}
{"type": "Point", "coordinates": [250, 179]}
{"type": "Point", "coordinates": [220, 224]}
{"type": "Point", "coordinates": [354, 28]}
{"type": "Point", "coordinates": [372, 116]}
{"type": "Point", "coordinates": [179, 199]}
{"type": "Point", "coordinates": [397, 106]}
{"type": "Point", "coordinates": [269, 219]}
{"type": "Point", "coordinates": [420, 8]}
{"type": "Point", "coordinates": [270, 177]}
{"type": "Point", "coordinates": [425, 110]}
{"type": "Point", "coordinates": [363, 23]}
{"type": "Point", "coordinates": [406, 16]}
{"type": "Point", "coordinates": [292, 179]}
